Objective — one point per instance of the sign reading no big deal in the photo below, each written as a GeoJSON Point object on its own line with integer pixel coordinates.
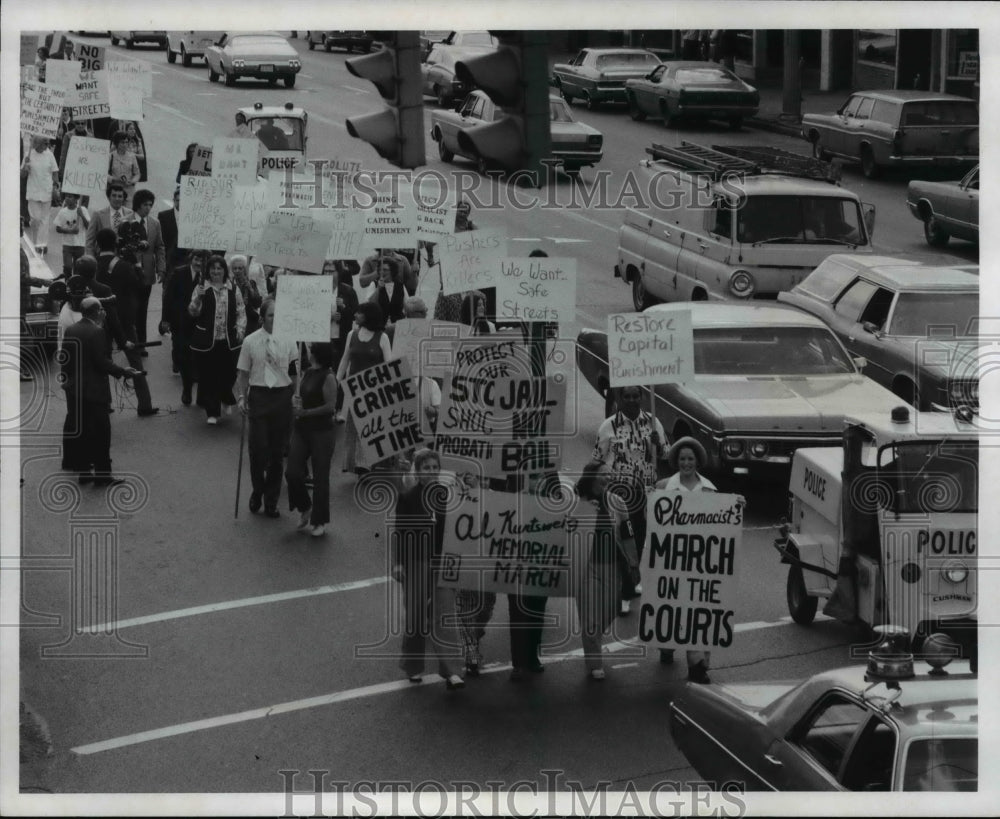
{"type": "Point", "coordinates": [655, 347]}
{"type": "Point", "coordinates": [536, 289]}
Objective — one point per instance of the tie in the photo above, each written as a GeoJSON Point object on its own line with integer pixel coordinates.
{"type": "Point", "coordinates": [116, 219]}
{"type": "Point", "coordinates": [271, 365]}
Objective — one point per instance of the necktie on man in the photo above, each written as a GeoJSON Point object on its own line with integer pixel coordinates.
{"type": "Point", "coordinates": [270, 363]}
{"type": "Point", "coordinates": [116, 219]}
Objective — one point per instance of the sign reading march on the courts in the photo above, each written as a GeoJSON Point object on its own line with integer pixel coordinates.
{"type": "Point", "coordinates": [469, 259]}
{"type": "Point", "coordinates": [428, 345]}
{"type": "Point", "coordinates": [689, 569]}
{"type": "Point", "coordinates": [86, 170]}
{"type": "Point", "coordinates": [386, 410]}
{"type": "Point", "coordinates": [655, 347]}
{"type": "Point", "coordinates": [536, 289]}
{"type": "Point", "coordinates": [302, 307]}
{"type": "Point", "coordinates": [513, 544]}
{"type": "Point", "coordinates": [205, 218]}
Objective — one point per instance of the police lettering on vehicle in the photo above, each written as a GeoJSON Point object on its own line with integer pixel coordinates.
{"type": "Point", "coordinates": [814, 484]}
{"type": "Point", "coordinates": [948, 541]}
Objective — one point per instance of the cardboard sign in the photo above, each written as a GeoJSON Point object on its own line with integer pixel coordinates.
{"type": "Point", "coordinates": [385, 408]}
{"type": "Point", "coordinates": [131, 74]}
{"type": "Point", "coordinates": [29, 48]}
{"type": "Point", "coordinates": [92, 57]}
{"type": "Point", "coordinates": [295, 240]}
{"type": "Point", "coordinates": [650, 348]}
{"type": "Point", "coordinates": [251, 206]}
{"type": "Point", "coordinates": [235, 159]}
{"type": "Point", "coordinates": [201, 162]}
{"type": "Point", "coordinates": [302, 308]}
{"type": "Point", "coordinates": [390, 220]}
{"type": "Point", "coordinates": [92, 99]}
{"type": "Point", "coordinates": [86, 170]}
{"type": "Point", "coordinates": [41, 109]}
{"type": "Point", "coordinates": [435, 209]}
{"type": "Point", "coordinates": [689, 570]}
{"type": "Point", "coordinates": [64, 75]}
{"type": "Point", "coordinates": [469, 260]}
{"type": "Point", "coordinates": [125, 102]}
{"type": "Point", "coordinates": [205, 218]}
{"type": "Point", "coordinates": [536, 289]}
{"type": "Point", "coordinates": [428, 345]}
{"type": "Point", "coordinates": [29, 73]}
{"type": "Point", "coordinates": [347, 230]}
{"type": "Point", "coordinates": [515, 544]}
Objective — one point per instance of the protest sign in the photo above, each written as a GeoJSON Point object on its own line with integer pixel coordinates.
{"type": "Point", "coordinates": [390, 220]}
{"type": "Point", "coordinates": [91, 99]}
{"type": "Point", "coordinates": [86, 170]}
{"type": "Point", "coordinates": [41, 109]}
{"type": "Point", "coordinates": [205, 218]}
{"type": "Point", "coordinates": [470, 260]}
{"type": "Point", "coordinates": [318, 196]}
{"type": "Point", "coordinates": [428, 345]}
{"type": "Point", "coordinates": [293, 239]}
{"type": "Point", "coordinates": [435, 209]}
{"type": "Point", "coordinates": [92, 57]}
{"type": "Point", "coordinates": [201, 162]}
{"type": "Point", "coordinates": [125, 102]}
{"type": "Point", "coordinates": [385, 408]}
{"type": "Point", "coordinates": [302, 307]}
{"type": "Point", "coordinates": [689, 569]}
{"type": "Point", "coordinates": [514, 543]}
{"type": "Point", "coordinates": [536, 289]}
{"type": "Point", "coordinates": [131, 74]}
{"type": "Point", "coordinates": [29, 48]}
{"type": "Point", "coordinates": [347, 228]}
{"type": "Point", "coordinates": [650, 348]}
{"type": "Point", "coordinates": [251, 205]}
{"type": "Point", "coordinates": [235, 159]}
{"type": "Point", "coordinates": [64, 75]}
{"type": "Point", "coordinates": [29, 73]}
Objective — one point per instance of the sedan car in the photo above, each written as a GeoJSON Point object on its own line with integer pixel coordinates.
{"type": "Point", "coordinates": [598, 75]}
{"type": "Point", "coordinates": [680, 90]}
{"type": "Point", "coordinates": [946, 208]}
{"type": "Point", "coordinates": [130, 38]}
{"type": "Point", "coordinates": [438, 72]}
{"type": "Point", "coordinates": [914, 324]}
{"type": "Point", "coordinates": [190, 44]}
{"type": "Point", "coordinates": [836, 731]}
{"type": "Point", "coordinates": [768, 379]}
{"type": "Point", "coordinates": [574, 144]}
{"type": "Point", "coordinates": [265, 55]}
{"type": "Point", "coordinates": [898, 129]}
{"type": "Point", "coordinates": [349, 40]}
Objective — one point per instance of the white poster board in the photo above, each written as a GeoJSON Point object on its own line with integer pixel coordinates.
{"type": "Point", "coordinates": [302, 307]}
{"type": "Point", "coordinates": [470, 260]}
{"type": "Point", "coordinates": [205, 218]}
{"type": "Point", "coordinates": [536, 289]}
{"type": "Point", "coordinates": [86, 170]}
{"type": "Point", "coordinates": [649, 348]}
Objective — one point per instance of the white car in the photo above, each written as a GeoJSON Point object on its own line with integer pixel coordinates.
{"type": "Point", "coordinates": [189, 44]}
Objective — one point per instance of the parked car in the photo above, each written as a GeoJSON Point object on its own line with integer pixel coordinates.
{"type": "Point", "coordinates": [768, 379]}
{"type": "Point", "coordinates": [915, 325]}
{"type": "Point", "coordinates": [946, 208]}
{"type": "Point", "coordinates": [438, 72]}
{"type": "Point", "coordinates": [42, 310]}
{"type": "Point", "coordinates": [265, 55]}
{"type": "Point", "coordinates": [898, 129]}
{"type": "Point", "coordinates": [688, 89]}
{"type": "Point", "coordinates": [429, 39]}
{"type": "Point", "coordinates": [836, 731]}
{"type": "Point", "coordinates": [130, 38]}
{"type": "Point", "coordinates": [190, 44]}
{"type": "Point", "coordinates": [598, 75]}
{"type": "Point", "coordinates": [574, 144]}
{"type": "Point", "coordinates": [349, 40]}
{"type": "Point", "coordinates": [477, 39]}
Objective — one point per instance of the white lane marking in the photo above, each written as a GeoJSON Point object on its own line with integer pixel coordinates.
{"type": "Point", "coordinates": [174, 112]}
{"type": "Point", "coordinates": [624, 665]}
{"type": "Point", "coordinates": [357, 90]}
{"type": "Point", "coordinates": [560, 241]}
{"type": "Point", "coordinates": [211, 608]}
{"type": "Point", "coordinates": [324, 699]}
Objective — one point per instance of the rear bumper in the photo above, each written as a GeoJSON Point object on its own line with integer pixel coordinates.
{"type": "Point", "coordinates": [42, 326]}
{"type": "Point", "coordinates": [578, 158]}
{"type": "Point", "coordinates": [720, 111]}
{"type": "Point", "coordinates": [930, 161]}
{"type": "Point", "coordinates": [257, 73]}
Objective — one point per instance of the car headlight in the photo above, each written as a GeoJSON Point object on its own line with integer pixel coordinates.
{"type": "Point", "coordinates": [758, 449]}
{"type": "Point", "coordinates": [742, 285]}
{"type": "Point", "coordinates": [239, 63]}
{"type": "Point", "coordinates": [38, 302]}
{"type": "Point", "coordinates": [955, 573]}
{"type": "Point", "coordinates": [732, 449]}
{"type": "Point", "coordinates": [294, 64]}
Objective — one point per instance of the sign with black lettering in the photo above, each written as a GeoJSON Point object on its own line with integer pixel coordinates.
{"type": "Point", "coordinates": [689, 569]}
{"type": "Point", "coordinates": [470, 260]}
{"type": "Point", "coordinates": [302, 307]}
{"type": "Point", "coordinates": [205, 218]}
{"type": "Point", "coordinates": [385, 408]}
{"type": "Point", "coordinates": [86, 170]}
{"type": "Point", "coordinates": [650, 348]}
{"type": "Point", "coordinates": [536, 289]}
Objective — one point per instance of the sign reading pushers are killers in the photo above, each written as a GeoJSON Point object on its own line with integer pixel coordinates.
{"type": "Point", "coordinates": [86, 170]}
{"type": "Point", "coordinates": [655, 347]}
{"type": "Point", "coordinates": [470, 260]}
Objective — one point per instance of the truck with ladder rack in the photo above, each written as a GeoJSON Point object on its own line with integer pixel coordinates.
{"type": "Point", "coordinates": [734, 222]}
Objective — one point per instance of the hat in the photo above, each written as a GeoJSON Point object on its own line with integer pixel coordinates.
{"type": "Point", "coordinates": [77, 287]}
{"type": "Point", "coordinates": [687, 442]}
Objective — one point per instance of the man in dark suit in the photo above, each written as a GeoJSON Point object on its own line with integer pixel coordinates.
{"type": "Point", "coordinates": [176, 320]}
{"type": "Point", "coordinates": [175, 256]}
{"type": "Point", "coordinates": [145, 242]}
{"type": "Point", "coordinates": [85, 369]}
{"type": "Point", "coordinates": [113, 216]}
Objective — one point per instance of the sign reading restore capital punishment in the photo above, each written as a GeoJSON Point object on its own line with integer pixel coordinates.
{"type": "Point", "coordinates": [385, 409]}
{"type": "Point", "coordinates": [511, 543]}
{"type": "Point", "coordinates": [689, 569]}
{"type": "Point", "coordinates": [655, 347]}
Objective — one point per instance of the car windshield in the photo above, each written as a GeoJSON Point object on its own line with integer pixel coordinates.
{"type": "Point", "coordinates": [290, 128]}
{"type": "Point", "coordinates": [915, 313]}
{"type": "Point", "coordinates": [474, 38]}
{"type": "Point", "coordinates": [932, 476]}
{"type": "Point", "coordinates": [791, 351]}
{"type": "Point", "coordinates": [255, 40]}
{"type": "Point", "coordinates": [559, 111]}
{"type": "Point", "coordinates": [941, 112]}
{"type": "Point", "coordinates": [799, 220]}
{"type": "Point", "coordinates": [947, 764]}
{"type": "Point", "coordinates": [627, 60]}
{"type": "Point", "coordinates": [702, 76]}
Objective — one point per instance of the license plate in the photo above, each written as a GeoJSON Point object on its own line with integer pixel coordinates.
{"type": "Point", "coordinates": [267, 68]}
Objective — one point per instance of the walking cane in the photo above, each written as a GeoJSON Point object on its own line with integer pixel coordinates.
{"type": "Point", "coordinates": [239, 469]}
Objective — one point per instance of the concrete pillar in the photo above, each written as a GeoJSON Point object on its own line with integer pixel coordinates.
{"type": "Point", "coordinates": [791, 102]}
{"type": "Point", "coordinates": [826, 60]}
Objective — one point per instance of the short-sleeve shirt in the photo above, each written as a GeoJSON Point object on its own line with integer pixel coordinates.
{"type": "Point", "coordinates": [68, 219]}
{"type": "Point", "coordinates": [41, 166]}
{"type": "Point", "coordinates": [673, 484]}
{"type": "Point", "coordinates": [623, 444]}
{"type": "Point", "coordinates": [267, 359]}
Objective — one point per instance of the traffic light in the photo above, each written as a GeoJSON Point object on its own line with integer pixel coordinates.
{"type": "Point", "coordinates": [397, 132]}
{"type": "Point", "coordinates": [516, 78]}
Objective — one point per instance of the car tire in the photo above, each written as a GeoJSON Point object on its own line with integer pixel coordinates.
{"type": "Point", "coordinates": [443, 152]}
{"type": "Point", "coordinates": [185, 57]}
{"type": "Point", "coordinates": [735, 123]}
{"type": "Point", "coordinates": [114, 41]}
{"type": "Point", "coordinates": [634, 111]}
{"type": "Point", "coordinates": [171, 55]}
{"type": "Point", "coordinates": [212, 76]}
{"type": "Point", "coordinates": [571, 170]}
{"type": "Point", "coordinates": [934, 234]}
{"type": "Point", "coordinates": [482, 166]}
{"type": "Point", "coordinates": [130, 43]}
{"type": "Point", "coordinates": [327, 46]}
{"type": "Point", "coordinates": [801, 605]}
{"type": "Point", "coordinates": [641, 297]}
{"type": "Point", "coordinates": [590, 102]}
{"type": "Point", "coordinates": [230, 79]}
{"type": "Point", "coordinates": [565, 94]}
{"type": "Point", "coordinates": [290, 81]}
{"type": "Point", "coordinates": [869, 167]}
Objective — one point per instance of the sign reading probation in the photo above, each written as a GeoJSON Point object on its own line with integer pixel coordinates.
{"type": "Point", "coordinates": [655, 347]}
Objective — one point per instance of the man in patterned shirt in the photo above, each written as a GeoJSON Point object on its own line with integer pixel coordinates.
{"type": "Point", "coordinates": [632, 443]}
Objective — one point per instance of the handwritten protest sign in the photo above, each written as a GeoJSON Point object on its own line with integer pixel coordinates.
{"type": "Point", "coordinates": [689, 569]}
{"type": "Point", "coordinates": [470, 260]}
{"type": "Point", "coordinates": [346, 228]}
{"type": "Point", "coordinates": [64, 75]}
{"type": "Point", "coordinates": [435, 209]}
{"type": "Point", "coordinates": [86, 170]}
{"type": "Point", "coordinates": [536, 289]}
{"type": "Point", "coordinates": [302, 308]}
{"type": "Point", "coordinates": [293, 239]}
{"type": "Point", "coordinates": [92, 57]}
{"type": "Point", "coordinates": [29, 73]}
{"type": "Point", "coordinates": [41, 109]}
{"type": "Point", "coordinates": [251, 205]}
{"type": "Point", "coordinates": [650, 348]}
{"type": "Point", "coordinates": [235, 159]}
{"type": "Point", "coordinates": [131, 74]}
{"type": "Point", "coordinates": [428, 345]}
{"type": "Point", "coordinates": [386, 411]}
{"type": "Point", "coordinates": [514, 544]}
{"type": "Point", "coordinates": [201, 161]}
{"type": "Point", "coordinates": [91, 99]}
{"type": "Point", "coordinates": [390, 220]}
{"type": "Point", "coordinates": [125, 102]}
{"type": "Point", "coordinates": [29, 48]}
{"type": "Point", "coordinates": [205, 218]}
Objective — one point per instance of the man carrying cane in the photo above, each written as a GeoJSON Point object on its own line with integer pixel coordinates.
{"type": "Point", "coordinates": [265, 384]}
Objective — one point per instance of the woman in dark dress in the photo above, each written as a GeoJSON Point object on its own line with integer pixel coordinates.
{"type": "Point", "coordinates": [390, 292]}
{"type": "Point", "coordinates": [312, 439]}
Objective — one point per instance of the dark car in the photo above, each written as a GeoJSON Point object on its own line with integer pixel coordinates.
{"type": "Point", "coordinates": [264, 55]}
{"type": "Point", "coordinates": [914, 324]}
{"type": "Point", "coordinates": [598, 75]}
{"type": "Point", "coordinates": [836, 731]}
{"type": "Point", "coordinates": [946, 208]}
{"type": "Point", "coordinates": [130, 38]}
{"type": "Point", "coordinates": [348, 40]}
{"type": "Point", "coordinates": [438, 72]}
{"type": "Point", "coordinates": [685, 90]}
{"type": "Point", "coordinates": [898, 129]}
{"type": "Point", "coordinates": [767, 380]}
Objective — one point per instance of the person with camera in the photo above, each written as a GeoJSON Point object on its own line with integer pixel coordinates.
{"type": "Point", "coordinates": [145, 240]}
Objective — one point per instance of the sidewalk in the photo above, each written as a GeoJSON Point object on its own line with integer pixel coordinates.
{"type": "Point", "coordinates": [770, 117]}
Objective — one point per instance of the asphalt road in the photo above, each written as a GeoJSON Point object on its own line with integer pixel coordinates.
{"type": "Point", "coordinates": [240, 648]}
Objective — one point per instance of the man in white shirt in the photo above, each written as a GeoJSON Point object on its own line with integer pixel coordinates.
{"type": "Point", "coordinates": [265, 384]}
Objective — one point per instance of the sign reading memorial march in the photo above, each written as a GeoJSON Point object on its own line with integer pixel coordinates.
{"type": "Point", "coordinates": [302, 307]}
{"type": "Point", "coordinates": [205, 218]}
{"type": "Point", "coordinates": [385, 408]}
{"type": "Point", "coordinates": [86, 170]}
{"type": "Point", "coordinates": [656, 347]}
{"type": "Point", "coordinates": [536, 289]}
{"type": "Point", "coordinates": [689, 569]}
{"type": "Point", "coordinates": [41, 109]}
{"type": "Point", "coordinates": [470, 260]}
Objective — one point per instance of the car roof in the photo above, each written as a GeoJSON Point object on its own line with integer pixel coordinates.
{"type": "Point", "coordinates": [602, 51]}
{"type": "Point", "coordinates": [231, 34]}
{"type": "Point", "coordinates": [786, 185]}
{"type": "Point", "coordinates": [910, 95]}
{"type": "Point", "coordinates": [693, 64]}
{"type": "Point", "coordinates": [272, 111]}
{"type": "Point", "coordinates": [908, 275]}
{"type": "Point", "coordinates": [718, 315]}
